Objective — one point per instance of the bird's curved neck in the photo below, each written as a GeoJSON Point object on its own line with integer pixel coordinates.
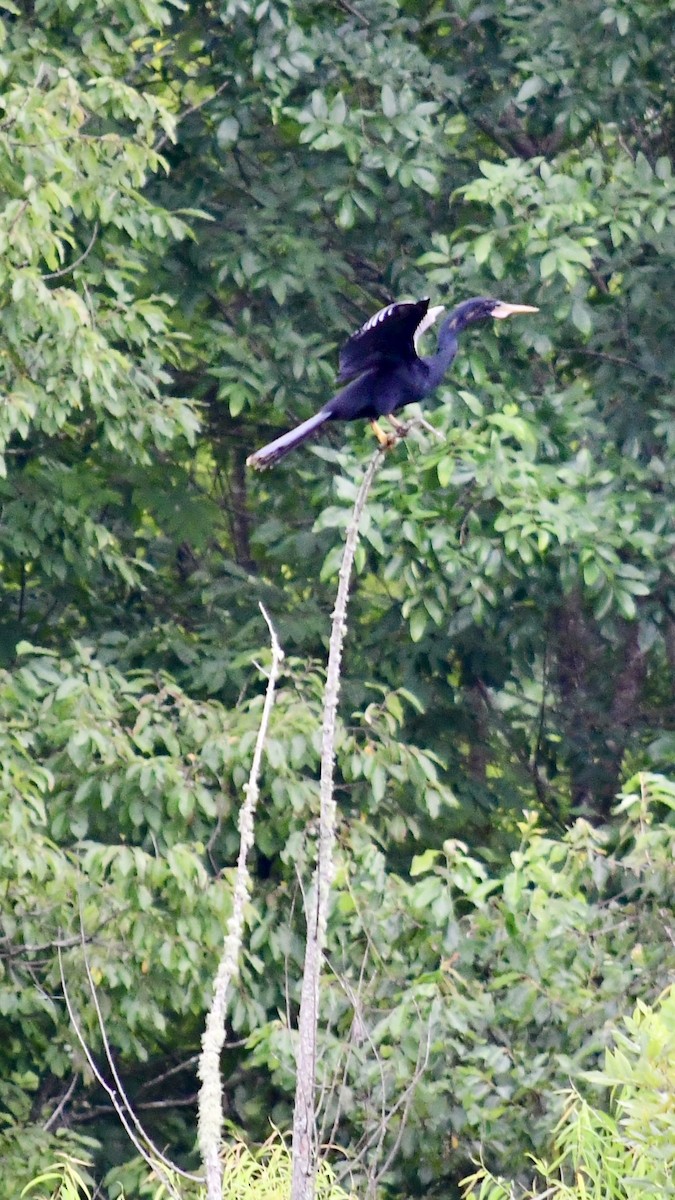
{"type": "Point", "coordinates": [439, 362]}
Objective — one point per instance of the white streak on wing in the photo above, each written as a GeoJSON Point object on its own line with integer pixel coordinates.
{"type": "Point", "coordinates": [381, 315]}
{"type": "Point", "coordinates": [427, 321]}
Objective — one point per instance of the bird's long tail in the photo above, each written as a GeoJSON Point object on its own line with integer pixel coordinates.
{"type": "Point", "coordinates": [270, 454]}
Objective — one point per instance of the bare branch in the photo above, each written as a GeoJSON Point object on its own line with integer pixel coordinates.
{"type": "Point", "coordinates": [354, 12]}
{"type": "Point", "coordinates": [371, 1142]}
{"type": "Point", "coordinates": [73, 265]}
{"type": "Point", "coordinates": [419, 422]}
{"type": "Point", "coordinates": [304, 1118]}
{"type": "Point", "coordinates": [53, 1117]}
{"type": "Point", "coordinates": [211, 1091]}
{"type": "Point", "coordinates": [94, 1111]}
{"type": "Point", "coordinates": [404, 1102]}
{"type": "Point", "coordinates": [183, 1066]}
{"type": "Point", "coordinates": [360, 1033]}
{"type": "Point", "coordinates": [187, 112]}
{"type": "Point", "coordinates": [153, 1153]}
{"type": "Point", "coordinates": [138, 1144]}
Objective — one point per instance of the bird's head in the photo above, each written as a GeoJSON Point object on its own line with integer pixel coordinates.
{"type": "Point", "coordinates": [482, 307]}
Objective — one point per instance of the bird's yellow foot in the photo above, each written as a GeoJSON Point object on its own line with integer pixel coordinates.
{"type": "Point", "coordinates": [386, 440]}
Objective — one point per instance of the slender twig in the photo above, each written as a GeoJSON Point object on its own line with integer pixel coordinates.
{"type": "Point", "coordinates": [153, 1154]}
{"type": "Point", "coordinates": [19, 213]}
{"type": "Point", "coordinates": [612, 358]}
{"type": "Point", "coordinates": [73, 265]}
{"type": "Point", "coordinates": [60, 943]}
{"type": "Point", "coordinates": [183, 1066]}
{"type": "Point", "coordinates": [420, 421]}
{"type": "Point", "coordinates": [53, 1117]}
{"type": "Point", "coordinates": [211, 1091]}
{"type": "Point", "coordinates": [117, 1105]}
{"type": "Point", "coordinates": [304, 1119]}
{"type": "Point", "coordinates": [365, 1034]}
{"type": "Point", "coordinates": [404, 1102]}
{"type": "Point", "coordinates": [541, 785]}
{"type": "Point", "coordinates": [369, 1147]}
{"type": "Point", "coordinates": [542, 707]}
{"type": "Point", "coordinates": [95, 1111]}
{"type": "Point", "coordinates": [354, 12]}
{"type": "Point", "coordinates": [192, 108]}
{"type": "Point", "coordinates": [22, 591]}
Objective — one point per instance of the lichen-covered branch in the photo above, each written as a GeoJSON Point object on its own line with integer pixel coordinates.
{"type": "Point", "coordinates": [304, 1135]}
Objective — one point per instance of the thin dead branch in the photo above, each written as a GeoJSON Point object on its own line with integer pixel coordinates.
{"type": "Point", "coordinates": [120, 1102]}
{"type": "Point", "coordinates": [210, 1096]}
{"type": "Point", "coordinates": [78, 261]}
{"type": "Point", "coordinates": [211, 1091]}
{"type": "Point", "coordinates": [153, 1154]}
{"type": "Point", "coordinates": [193, 108]}
{"type": "Point", "coordinates": [182, 1066]}
{"type": "Point", "coordinates": [53, 1117]}
{"type": "Point", "coordinates": [304, 1116]}
{"type": "Point", "coordinates": [404, 1103]}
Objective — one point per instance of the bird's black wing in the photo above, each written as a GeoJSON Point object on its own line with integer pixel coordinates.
{"type": "Point", "coordinates": [388, 337]}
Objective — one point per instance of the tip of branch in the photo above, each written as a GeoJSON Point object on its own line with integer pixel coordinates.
{"type": "Point", "coordinates": [277, 652]}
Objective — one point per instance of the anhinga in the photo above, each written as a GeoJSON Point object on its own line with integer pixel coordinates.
{"type": "Point", "coordinates": [385, 370]}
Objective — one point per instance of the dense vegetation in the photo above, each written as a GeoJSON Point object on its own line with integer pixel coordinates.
{"type": "Point", "coordinates": [199, 202]}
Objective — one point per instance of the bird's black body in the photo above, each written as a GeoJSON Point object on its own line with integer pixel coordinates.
{"type": "Point", "coordinates": [379, 392]}
{"type": "Point", "coordinates": [384, 369]}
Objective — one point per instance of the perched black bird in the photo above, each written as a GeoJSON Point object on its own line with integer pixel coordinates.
{"type": "Point", "coordinates": [385, 370]}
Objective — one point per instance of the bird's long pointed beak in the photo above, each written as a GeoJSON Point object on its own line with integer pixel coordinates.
{"type": "Point", "coordinates": [502, 310]}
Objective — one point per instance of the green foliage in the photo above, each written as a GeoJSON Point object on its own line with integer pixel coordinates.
{"type": "Point", "coordinates": [625, 1152]}
{"type": "Point", "coordinates": [41, 1164]}
{"type": "Point", "coordinates": [86, 344]}
{"type": "Point", "coordinates": [64, 1180]}
{"type": "Point", "coordinates": [263, 1173]}
{"type": "Point", "coordinates": [488, 991]}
